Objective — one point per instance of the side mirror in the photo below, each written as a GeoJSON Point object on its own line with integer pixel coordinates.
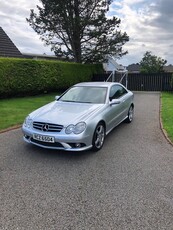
{"type": "Point", "coordinates": [115, 102]}
{"type": "Point", "coordinates": [56, 98]}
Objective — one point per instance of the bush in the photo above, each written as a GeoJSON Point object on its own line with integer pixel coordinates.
{"type": "Point", "coordinates": [22, 77]}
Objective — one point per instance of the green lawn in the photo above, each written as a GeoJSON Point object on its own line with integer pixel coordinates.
{"type": "Point", "coordinates": [13, 111]}
{"type": "Point", "coordinates": [167, 113]}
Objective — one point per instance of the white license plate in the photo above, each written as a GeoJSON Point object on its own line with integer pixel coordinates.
{"type": "Point", "coordinates": [43, 138]}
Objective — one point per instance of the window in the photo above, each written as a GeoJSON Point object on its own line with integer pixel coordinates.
{"type": "Point", "coordinates": [85, 94]}
{"type": "Point", "coordinates": [117, 91]}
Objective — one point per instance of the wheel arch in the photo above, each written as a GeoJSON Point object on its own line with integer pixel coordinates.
{"type": "Point", "coordinates": [103, 122]}
{"type": "Point", "coordinates": [132, 104]}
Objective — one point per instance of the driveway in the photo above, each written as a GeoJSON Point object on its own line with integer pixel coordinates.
{"type": "Point", "coordinates": [127, 185]}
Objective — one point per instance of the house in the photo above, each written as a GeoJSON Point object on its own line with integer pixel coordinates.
{"type": "Point", "coordinates": [117, 72]}
{"type": "Point", "coordinates": [40, 56]}
{"type": "Point", "coordinates": [168, 68]}
{"type": "Point", "coordinates": [112, 65]}
{"type": "Point", "coordinates": [7, 47]}
{"type": "Point", "coordinates": [133, 68]}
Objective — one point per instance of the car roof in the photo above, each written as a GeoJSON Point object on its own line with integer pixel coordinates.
{"type": "Point", "coordinates": [99, 84]}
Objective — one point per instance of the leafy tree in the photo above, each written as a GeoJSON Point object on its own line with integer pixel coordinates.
{"type": "Point", "coordinates": [79, 30]}
{"type": "Point", "coordinates": [151, 63]}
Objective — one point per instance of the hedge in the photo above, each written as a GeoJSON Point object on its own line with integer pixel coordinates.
{"type": "Point", "coordinates": [22, 77]}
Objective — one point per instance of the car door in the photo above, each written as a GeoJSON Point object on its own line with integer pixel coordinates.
{"type": "Point", "coordinates": [116, 112]}
{"type": "Point", "coordinates": [123, 96]}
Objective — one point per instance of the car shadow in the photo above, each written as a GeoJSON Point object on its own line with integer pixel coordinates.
{"type": "Point", "coordinates": [38, 152]}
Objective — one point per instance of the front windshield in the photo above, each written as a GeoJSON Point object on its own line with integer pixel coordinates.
{"type": "Point", "coordinates": [85, 94]}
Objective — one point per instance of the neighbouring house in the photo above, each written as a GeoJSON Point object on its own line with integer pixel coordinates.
{"type": "Point", "coordinates": [7, 47]}
{"type": "Point", "coordinates": [112, 65]}
{"type": "Point", "coordinates": [117, 72]}
{"type": "Point", "coordinates": [168, 68]}
{"type": "Point", "coordinates": [40, 56]}
{"type": "Point", "coordinates": [135, 68]}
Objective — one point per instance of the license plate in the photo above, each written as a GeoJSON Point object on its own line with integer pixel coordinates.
{"type": "Point", "coordinates": [43, 138]}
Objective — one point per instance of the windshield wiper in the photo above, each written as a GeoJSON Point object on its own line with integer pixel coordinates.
{"type": "Point", "coordinates": [67, 101]}
{"type": "Point", "coordinates": [76, 101]}
{"type": "Point", "coordinates": [83, 102]}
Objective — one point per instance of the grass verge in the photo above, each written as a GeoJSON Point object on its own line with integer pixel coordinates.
{"type": "Point", "coordinates": [167, 113]}
{"type": "Point", "coordinates": [13, 111]}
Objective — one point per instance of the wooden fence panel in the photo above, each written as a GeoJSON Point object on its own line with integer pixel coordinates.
{"type": "Point", "coordinates": [150, 82]}
{"type": "Point", "coordinates": [142, 82]}
{"type": "Point", "coordinates": [167, 82]}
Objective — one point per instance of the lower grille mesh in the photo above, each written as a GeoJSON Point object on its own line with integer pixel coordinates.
{"type": "Point", "coordinates": [46, 144]}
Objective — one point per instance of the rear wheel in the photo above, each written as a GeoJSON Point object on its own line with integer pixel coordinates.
{"type": "Point", "coordinates": [98, 137]}
{"type": "Point", "coordinates": [130, 114]}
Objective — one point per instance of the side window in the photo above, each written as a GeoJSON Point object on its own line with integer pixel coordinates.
{"type": "Point", "coordinates": [117, 91]}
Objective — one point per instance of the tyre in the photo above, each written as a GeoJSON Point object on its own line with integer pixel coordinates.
{"type": "Point", "coordinates": [130, 114]}
{"type": "Point", "coordinates": [98, 137]}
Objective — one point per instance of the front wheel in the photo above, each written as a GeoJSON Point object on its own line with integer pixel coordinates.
{"type": "Point", "coordinates": [98, 137]}
{"type": "Point", "coordinates": [130, 114]}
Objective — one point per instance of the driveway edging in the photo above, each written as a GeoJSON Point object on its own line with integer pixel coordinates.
{"type": "Point", "coordinates": [10, 129]}
{"type": "Point", "coordinates": [161, 124]}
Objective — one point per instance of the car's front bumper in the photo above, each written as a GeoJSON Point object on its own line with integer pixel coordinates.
{"type": "Point", "coordinates": [65, 142]}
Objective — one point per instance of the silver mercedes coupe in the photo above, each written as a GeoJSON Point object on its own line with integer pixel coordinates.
{"type": "Point", "coordinates": [81, 117]}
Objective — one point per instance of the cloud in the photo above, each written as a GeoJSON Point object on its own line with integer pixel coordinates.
{"type": "Point", "coordinates": [149, 26]}
{"type": "Point", "coordinates": [164, 19]}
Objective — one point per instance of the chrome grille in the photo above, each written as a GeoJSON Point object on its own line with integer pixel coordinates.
{"type": "Point", "coordinates": [47, 127]}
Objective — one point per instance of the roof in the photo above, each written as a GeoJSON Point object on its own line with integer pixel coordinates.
{"type": "Point", "coordinates": [133, 68]}
{"type": "Point", "coordinates": [39, 56]}
{"type": "Point", "coordinates": [98, 84]}
{"type": "Point", "coordinates": [112, 65]}
{"type": "Point", "coordinates": [7, 47]}
{"type": "Point", "coordinates": [168, 68]}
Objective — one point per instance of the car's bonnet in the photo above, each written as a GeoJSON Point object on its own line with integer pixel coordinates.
{"type": "Point", "coordinates": [65, 113]}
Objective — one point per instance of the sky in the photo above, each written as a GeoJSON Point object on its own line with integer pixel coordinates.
{"type": "Point", "coordinates": [148, 23]}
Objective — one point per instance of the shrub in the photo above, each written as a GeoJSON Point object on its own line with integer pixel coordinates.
{"type": "Point", "coordinates": [21, 77]}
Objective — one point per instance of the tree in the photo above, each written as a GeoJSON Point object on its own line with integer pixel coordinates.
{"type": "Point", "coordinates": [151, 63]}
{"type": "Point", "coordinates": [79, 30]}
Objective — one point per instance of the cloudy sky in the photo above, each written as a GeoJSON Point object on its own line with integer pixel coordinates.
{"type": "Point", "coordinates": [148, 23]}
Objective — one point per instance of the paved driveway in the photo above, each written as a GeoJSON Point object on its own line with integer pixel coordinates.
{"type": "Point", "coordinates": [127, 185]}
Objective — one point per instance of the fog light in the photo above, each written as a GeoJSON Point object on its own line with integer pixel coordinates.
{"type": "Point", "coordinates": [77, 145]}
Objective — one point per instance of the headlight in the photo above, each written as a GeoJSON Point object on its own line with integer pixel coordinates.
{"type": "Point", "coordinates": [79, 128]}
{"type": "Point", "coordinates": [69, 129]}
{"type": "Point", "coordinates": [28, 122]}
{"type": "Point", "coordinates": [76, 129]}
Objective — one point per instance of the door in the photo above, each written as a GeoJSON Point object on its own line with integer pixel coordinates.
{"type": "Point", "coordinates": [117, 112]}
